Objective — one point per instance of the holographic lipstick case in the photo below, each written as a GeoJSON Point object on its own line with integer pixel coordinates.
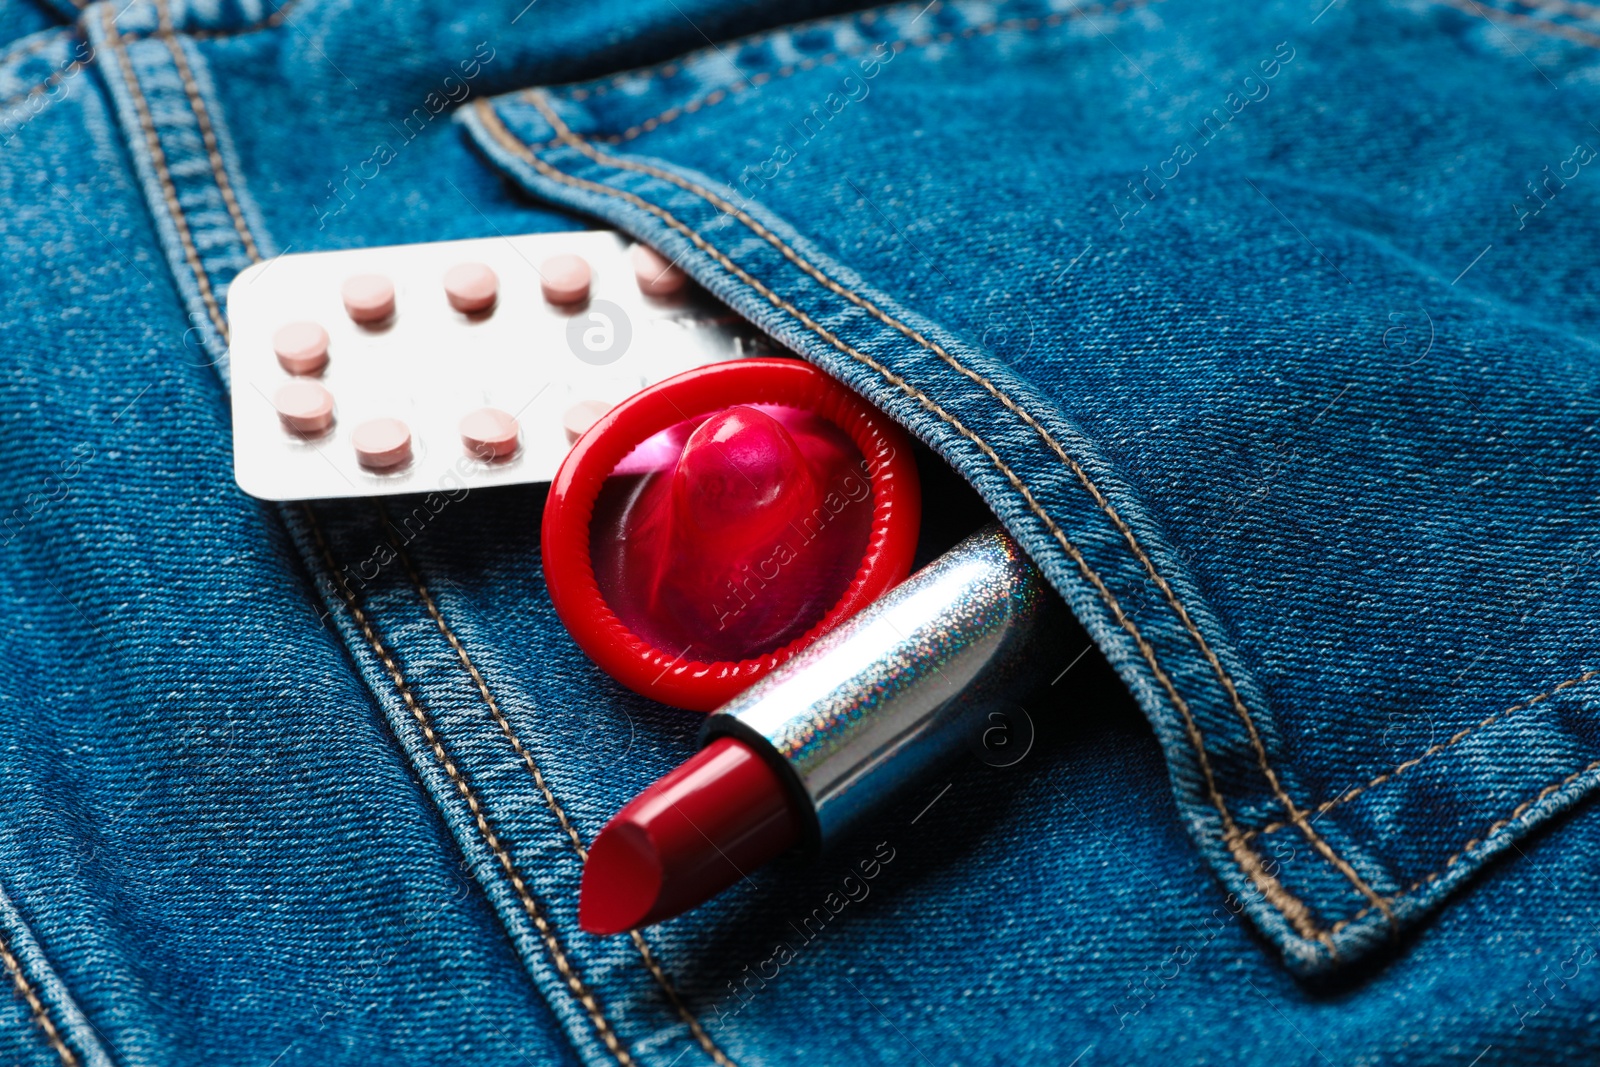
{"type": "Point", "coordinates": [901, 687]}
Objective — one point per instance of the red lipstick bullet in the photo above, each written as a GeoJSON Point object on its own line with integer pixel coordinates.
{"type": "Point", "coordinates": [820, 744]}
{"type": "Point", "coordinates": [685, 839]}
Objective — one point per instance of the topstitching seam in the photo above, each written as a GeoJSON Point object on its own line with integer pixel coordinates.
{"type": "Point", "coordinates": [208, 136]}
{"type": "Point", "coordinates": [573, 981]}
{"type": "Point", "coordinates": [44, 40]}
{"type": "Point", "coordinates": [1494, 828]}
{"type": "Point", "coordinates": [36, 1005]}
{"type": "Point", "coordinates": [1295, 814]}
{"type": "Point", "coordinates": [717, 96]}
{"type": "Point", "coordinates": [646, 75]}
{"type": "Point", "coordinates": [502, 853]}
{"type": "Point", "coordinates": [277, 18]}
{"type": "Point", "coordinates": [1527, 22]}
{"type": "Point", "coordinates": [1460, 735]}
{"type": "Point", "coordinates": [158, 157]}
{"type": "Point", "coordinates": [55, 77]}
{"type": "Point", "coordinates": [19, 978]}
{"type": "Point", "coordinates": [702, 1038]}
{"type": "Point", "coordinates": [1292, 909]}
{"type": "Point", "coordinates": [1563, 7]}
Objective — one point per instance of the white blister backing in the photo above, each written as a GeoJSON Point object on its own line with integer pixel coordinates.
{"type": "Point", "coordinates": [429, 365]}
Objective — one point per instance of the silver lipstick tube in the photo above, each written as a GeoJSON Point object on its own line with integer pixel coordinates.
{"type": "Point", "coordinates": [904, 685]}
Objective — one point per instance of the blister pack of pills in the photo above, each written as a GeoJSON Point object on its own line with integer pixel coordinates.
{"type": "Point", "coordinates": [376, 371]}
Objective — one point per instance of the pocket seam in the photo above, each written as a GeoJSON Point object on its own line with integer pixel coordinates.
{"type": "Point", "coordinates": [696, 1030]}
{"type": "Point", "coordinates": [208, 136]}
{"type": "Point", "coordinates": [272, 21]}
{"type": "Point", "coordinates": [1288, 906]}
{"type": "Point", "coordinates": [1528, 22]}
{"type": "Point", "coordinates": [36, 1005]}
{"type": "Point", "coordinates": [575, 984]}
{"type": "Point", "coordinates": [43, 40]}
{"type": "Point", "coordinates": [1460, 735]}
{"type": "Point", "coordinates": [158, 156]}
{"type": "Point", "coordinates": [45, 86]}
{"type": "Point", "coordinates": [717, 96]}
{"type": "Point", "coordinates": [1495, 827]}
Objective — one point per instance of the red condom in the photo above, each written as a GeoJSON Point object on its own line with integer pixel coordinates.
{"type": "Point", "coordinates": [711, 526]}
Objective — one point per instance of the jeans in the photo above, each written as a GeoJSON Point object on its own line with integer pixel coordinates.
{"type": "Point", "coordinates": [1267, 331]}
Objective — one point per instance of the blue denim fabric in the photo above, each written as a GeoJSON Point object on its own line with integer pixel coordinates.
{"type": "Point", "coordinates": [1289, 409]}
{"type": "Point", "coordinates": [20, 19]}
{"type": "Point", "coordinates": [1266, 331]}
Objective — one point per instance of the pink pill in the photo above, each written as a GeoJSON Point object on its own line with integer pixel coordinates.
{"type": "Point", "coordinates": [656, 276]}
{"type": "Point", "coordinates": [489, 433]}
{"type": "Point", "coordinates": [304, 406]}
{"type": "Point", "coordinates": [471, 287]}
{"type": "Point", "coordinates": [382, 443]}
{"type": "Point", "coordinates": [368, 298]}
{"type": "Point", "coordinates": [302, 347]}
{"type": "Point", "coordinates": [565, 279]}
{"type": "Point", "coordinates": [582, 415]}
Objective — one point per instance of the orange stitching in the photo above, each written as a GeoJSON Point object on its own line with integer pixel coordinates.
{"type": "Point", "coordinates": [278, 17]}
{"type": "Point", "coordinates": [719, 95]}
{"type": "Point", "coordinates": [552, 945]}
{"type": "Point", "coordinates": [44, 86]}
{"type": "Point", "coordinates": [1328, 805]}
{"type": "Point", "coordinates": [159, 158]}
{"type": "Point", "coordinates": [1552, 29]}
{"type": "Point", "coordinates": [39, 44]}
{"type": "Point", "coordinates": [483, 691]}
{"type": "Point", "coordinates": [272, 21]}
{"type": "Point", "coordinates": [501, 853]}
{"type": "Point", "coordinates": [1290, 907]}
{"type": "Point", "coordinates": [19, 979]}
{"type": "Point", "coordinates": [41, 1013]}
{"type": "Point", "coordinates": [667, 70]}
{"type": "Point", "coordinates": [1295, 814]}
{"type": "Point", "coordinates": [662, 979]}
{"type": "Point", "coordinates": [207, 134]}
{"type": "Point", "coordinates": [1563, 7]}
{"type": "Point", "coordinates": [1494, 828]}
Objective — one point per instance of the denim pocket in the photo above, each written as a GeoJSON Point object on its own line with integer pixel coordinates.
{"type": "Point", "coordinates": [1270, 398]}
{"type": "Point", "coordinates": [1261, 362]}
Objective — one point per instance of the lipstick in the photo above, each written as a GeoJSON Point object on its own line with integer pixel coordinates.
{"type": "Point", "coordinates": [811, 750]}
